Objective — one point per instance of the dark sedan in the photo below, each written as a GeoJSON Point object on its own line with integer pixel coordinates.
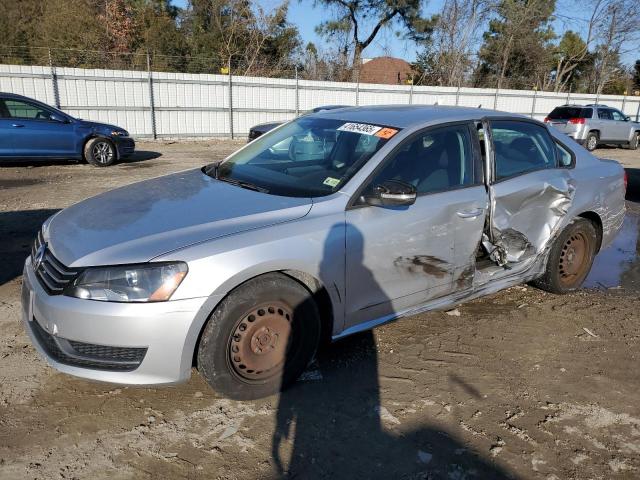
{"type": "Point", "coordinates": [263, 128]}
{"type": "Point", "coordinates": [30, 129]}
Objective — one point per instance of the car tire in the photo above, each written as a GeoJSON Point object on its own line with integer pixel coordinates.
{"type": "Point", "coordinates": [100, 152]}
{"type": "Point", "coordinates": [635, 140]}
{"type": "Point", "coordinates": [260, 338]}
{"type": "Point", "coordinates": [591, 142]}
{"type": "Point", "coordinates": [570, 258]}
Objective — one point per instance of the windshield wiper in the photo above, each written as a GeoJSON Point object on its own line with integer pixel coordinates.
{"type": "Point", "coordinates": [212, 170]}
{"type": "Point", "coordinates": [242, 183]}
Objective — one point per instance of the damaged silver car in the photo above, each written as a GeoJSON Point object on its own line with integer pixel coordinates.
{"type": "Point", "coordinates": [329, 225]}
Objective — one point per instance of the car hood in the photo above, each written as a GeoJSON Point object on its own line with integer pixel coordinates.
{"type": "Point", "coordinates": [144, 220]}
{"type": "Point", "coordinates": [98, 125]}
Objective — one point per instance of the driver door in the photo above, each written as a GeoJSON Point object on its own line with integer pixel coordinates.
{"type": "Point", "coordinates": [398, 258]}
{"type": "Point", "coordinates": [35, 134]}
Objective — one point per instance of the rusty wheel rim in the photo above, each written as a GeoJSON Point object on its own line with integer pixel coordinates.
{"type": "Point", "coordinates": [258, 346]}
{"type": "Point", "coordinates": [574, 259]}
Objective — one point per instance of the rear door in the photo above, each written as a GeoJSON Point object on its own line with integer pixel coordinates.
{"type": "Point", "coordinates": [6, 131]}
{"type": "Point", "coordinates": [35, 134]}
{"type": "Point", "coordinates": [529, 190]}
{"type": "Point", "coordinates": [398, 258]}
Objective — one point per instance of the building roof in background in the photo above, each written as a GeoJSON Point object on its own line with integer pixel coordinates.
{"type": "Point", "coordinates": [387, 70]}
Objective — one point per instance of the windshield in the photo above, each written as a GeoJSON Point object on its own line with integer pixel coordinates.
{"type": "Point", "coordinates": [309, 157]}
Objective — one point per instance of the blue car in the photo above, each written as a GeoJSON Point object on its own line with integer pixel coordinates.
{"type": "Point", "coordinates": [33, 130]}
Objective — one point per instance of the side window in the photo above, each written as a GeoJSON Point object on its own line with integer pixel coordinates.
{"type": "Point", "coordinates": [4, 113]}
{"type": "Point", "coordinates": [436, 160]}
{"type": "Point", "coordinates": [521, 147]}
{"type": "Point", "coordinates": [617, 116]}
{"type": "Point", "coordinates": [604, 114]}
{"type": "Point", "coordinates": [565, 157]}
{"type": "Point", "coordinates": [19, 109]}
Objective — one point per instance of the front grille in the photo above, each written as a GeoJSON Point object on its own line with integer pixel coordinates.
{"type": "Point", "coordinates": [88, 355]}
{"type": "Point", "coordinates": [52, 274]}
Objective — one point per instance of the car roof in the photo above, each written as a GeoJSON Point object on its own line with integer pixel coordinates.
{"type": "Point", "coordinates": [404, 116]}
{"type": "Point", "coordinates": [15, 95]}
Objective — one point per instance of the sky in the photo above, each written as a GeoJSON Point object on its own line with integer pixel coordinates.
{"type": "Point", "coordinates": [571, 15]}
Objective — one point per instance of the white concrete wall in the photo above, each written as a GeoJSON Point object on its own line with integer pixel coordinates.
{"type": "Point", "coordinates": [197, 105]}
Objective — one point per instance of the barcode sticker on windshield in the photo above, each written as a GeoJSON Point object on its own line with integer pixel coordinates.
{"type": "Point", "coordinates": [363, 128]}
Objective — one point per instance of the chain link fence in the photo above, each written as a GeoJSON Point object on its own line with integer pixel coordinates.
{"type": "Point", "coordinates": [182, 96]}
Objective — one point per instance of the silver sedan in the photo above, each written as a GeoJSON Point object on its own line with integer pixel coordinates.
{"type": "Point", "coordinates": [329, 225]}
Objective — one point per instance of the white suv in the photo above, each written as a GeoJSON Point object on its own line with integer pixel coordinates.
{"type": "Point", "coordinates": [595, 124]}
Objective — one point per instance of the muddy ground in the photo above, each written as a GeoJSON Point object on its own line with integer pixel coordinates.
{"type": "Point", "coordinates": [522, 384]}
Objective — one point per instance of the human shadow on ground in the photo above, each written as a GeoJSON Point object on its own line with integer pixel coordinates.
{"type": "Point", "coordinates": [18, 230]}
{"type": "Point", "coordinates": [335, 426]}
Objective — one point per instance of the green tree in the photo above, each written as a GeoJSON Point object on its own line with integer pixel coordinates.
{"type": "Point", "coordinates": [636, 75]}
{"type": "Point", "coordinates": [572, 63]}
{"type": "Point", "coordinates": [157, 32]}
{"type": "Point", "coordinates": [242, 34]}
{"type": "Point", "coordinates": [352, 17]}
{"type": "Point", "coordinates": [517, 52]}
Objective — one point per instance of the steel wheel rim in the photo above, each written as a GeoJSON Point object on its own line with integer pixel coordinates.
{"type": "Point", "coordinates": [574, 259]}
{"type": "Point", "coordinates": [102, 152]}
{"type": "Point", "coordinates": [260, 342]}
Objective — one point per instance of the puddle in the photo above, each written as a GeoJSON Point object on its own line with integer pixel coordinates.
{"type": "Point", "coordinates": [618, 265]}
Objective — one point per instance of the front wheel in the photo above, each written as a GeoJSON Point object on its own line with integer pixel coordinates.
{"type": "Point", "coordinates": [260, 338]}
{"type": "Point", "coordinates": [100, 152]}
{"type": "Point", "coordinates": [570, 258]}
{"type": "Point", "coordinates": [635, 140]}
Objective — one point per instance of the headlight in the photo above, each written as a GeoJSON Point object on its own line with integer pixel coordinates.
{"type": "Point", "coordinates": [119, 133]}
{"type": "Point", "coordinates": [154, 282]}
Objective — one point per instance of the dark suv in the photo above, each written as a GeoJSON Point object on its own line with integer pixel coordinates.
{"type": "Point", "coordinates": [595, 124]}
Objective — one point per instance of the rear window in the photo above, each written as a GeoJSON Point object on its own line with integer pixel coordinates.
{"type": "Point", "coordinates": [565, 113]}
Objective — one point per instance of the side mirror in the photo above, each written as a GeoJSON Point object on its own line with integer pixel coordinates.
{"type": "Point", "coordinates": [58, 118]}
{"type": "Point", "coordinates": [627, 119]}
{"type": "Point", "coordinates": [391, 193]}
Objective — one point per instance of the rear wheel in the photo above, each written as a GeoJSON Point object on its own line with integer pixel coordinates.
{"type": "Point", "coordinates": [260, 338]}
{"type": "Point", "coordinates": [100, 152]}
{"type": "Point", "coordinates": [570, 258]}
{"type": "Point", "coordinates": [591, 142]}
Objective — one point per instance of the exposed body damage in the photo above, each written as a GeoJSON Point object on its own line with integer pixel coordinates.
{"type": "Point", "coordinates": [521, 223]}
{"type": "Point", "coordinates": [423, 264]}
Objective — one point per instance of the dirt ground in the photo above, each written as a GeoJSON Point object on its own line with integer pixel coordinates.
{"type": "Point", "coordinates": [521, 384]}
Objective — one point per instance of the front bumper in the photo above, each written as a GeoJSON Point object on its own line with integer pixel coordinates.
{"type": "Point", "coordinates": [155, 341]}
{"type": "Point", "coordinates": [125, 145]}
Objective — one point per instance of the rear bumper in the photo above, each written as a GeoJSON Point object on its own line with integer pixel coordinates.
{"type": "Point", "coordinates": [138, 344]}
{"type": "Point", "coordinates": [125, 145]}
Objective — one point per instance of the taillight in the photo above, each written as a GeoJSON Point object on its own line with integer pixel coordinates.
{"type": "Point", "coordinates": [577, 121]}
{"type": "Point", "coordinates": [547, 119]}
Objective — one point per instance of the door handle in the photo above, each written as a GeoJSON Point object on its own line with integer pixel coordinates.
{"type": "Point", "coordinates": [470, 213]}
{"type": "Point", "coordinates": [17, 125]}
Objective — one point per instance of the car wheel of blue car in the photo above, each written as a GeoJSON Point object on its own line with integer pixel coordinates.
{"type": "Point", "coordinates": [100, 152]}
